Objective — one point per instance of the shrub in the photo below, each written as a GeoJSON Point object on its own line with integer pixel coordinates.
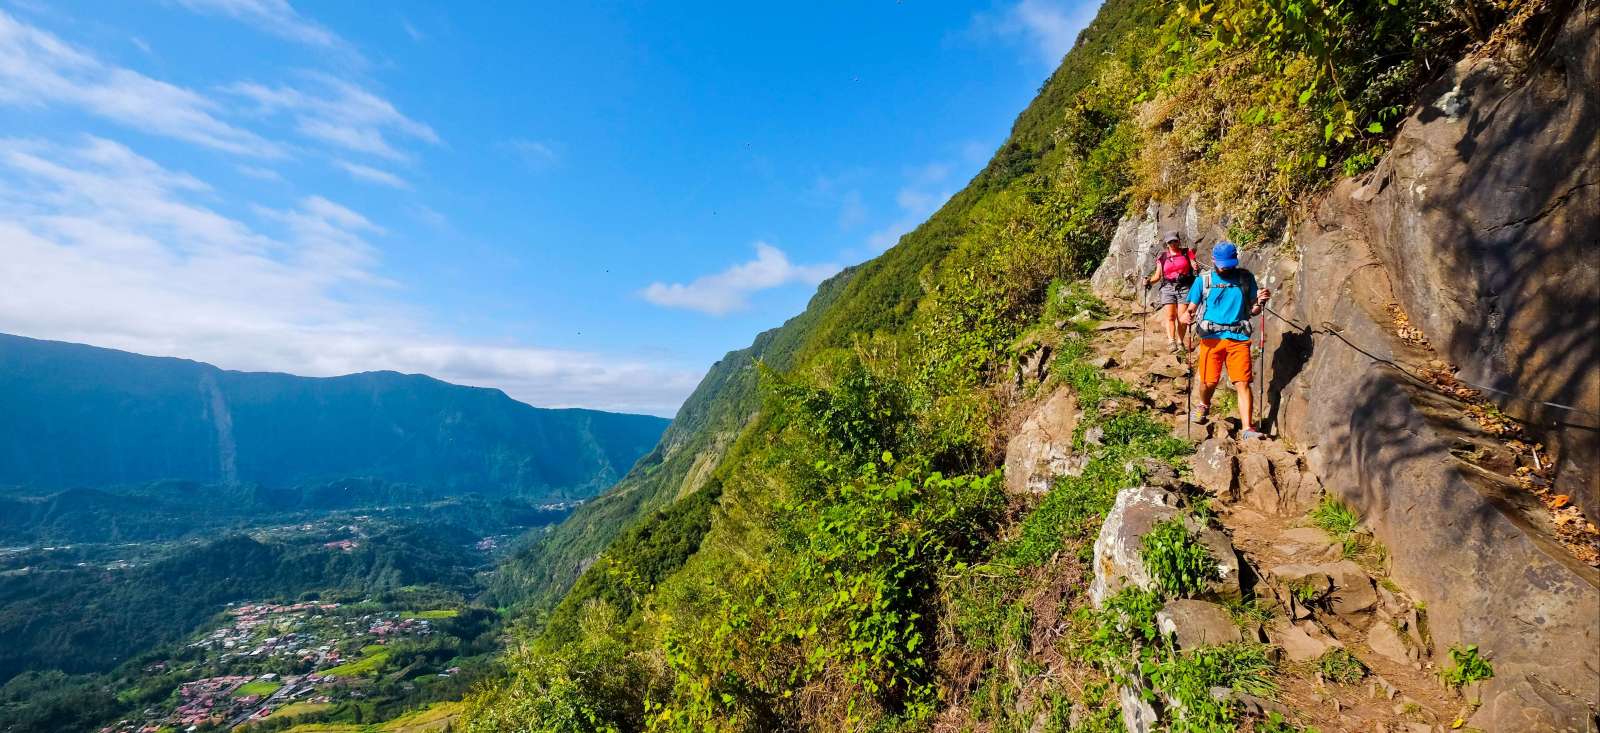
{"type": "Point", "coordinates": [1178, 563]}
{"type": "Point", "coordinates": [1466, 667]}
{"type": "Point", "coordinates": [1339, 665]}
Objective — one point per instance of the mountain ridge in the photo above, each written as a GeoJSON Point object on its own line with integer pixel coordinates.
{"type": "Point", "coordinates": [114, 417]}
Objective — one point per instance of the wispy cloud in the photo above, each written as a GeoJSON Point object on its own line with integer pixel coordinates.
{"type": "Point", "coordinates": [339, 113]}
{"type": "Point", "coordinates": [925, 190]}
{"type": "Point", "coordinates": [414, 32]}
{"type": "Point", "coordinates": [259, 173]}
{"type": "Point", "coordinates": [1047, 28]}
{"type": "Point", "coordinates": [276, 17]}
{"type": "Point", "coordinates": [104, 246]}
{"type": "Point", "coordinates": [37, 69]}
{"type": "Point", "coordinates": [537, 154]}
{"type": "Point", "coordinates": [372, 175]}
{"type": "Point", "coordinates": [730, 290]}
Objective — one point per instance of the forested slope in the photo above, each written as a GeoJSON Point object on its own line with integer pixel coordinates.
{"type": "Point", "coordinates": [836, 550]}
{"type": "Point", "coordinates": [84, 417]}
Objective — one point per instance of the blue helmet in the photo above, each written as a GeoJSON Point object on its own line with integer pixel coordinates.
{"type": "Point", "coordinates": [1225, 255]}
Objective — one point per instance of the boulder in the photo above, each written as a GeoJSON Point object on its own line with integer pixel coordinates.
{"type": "Point", "coordinates": [1532, 703]}
{"type": "Point", "coordinates": [1308, 544]}
{"type": "Point", "coordinates": [1251, 704]}
{"type": "Point", "coordinates": [1195, 623]}
{"type": "Point", "coordinates": [1387, 642]}
{"type": "Point", "coordinates": [1037, 364]}
{"type": "Point", "coordinates": [1138, 715]}
{"type": "Point", "coordinates": [1275, 480]}
{"type": "Point", "coordinates": [1342, 587]}
{"type": "Point", "coordinates": [1301, 641]}
{"type": "Point", "coordinates": [1215, 468]}
{"type": "Point", "coordinates": [1117, 563]}
{"type": "Point", "coordinates": [1166, 367]}
{"type": "Point", "coordinates": [1041, 449]}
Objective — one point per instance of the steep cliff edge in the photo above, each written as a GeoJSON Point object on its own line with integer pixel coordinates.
{"type": "Point", "coordinates": [1472, 244]}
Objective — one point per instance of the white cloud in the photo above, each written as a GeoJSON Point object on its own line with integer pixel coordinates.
{"type": "Point", "coordinates": [372, 175]}
{"type": "Point", "coordinates": [106, 247]}
{"type": "Point", "coordinates": [917, 201]}
{"type": "Point", "coordinates": [730, 290]}
{"type": "Point", "coordinates": [38, 69]}
{"type": "Point", "coordinates": [415, 33]}
{"type": "Point", "coordinates": [259, 173]}
{"type": "Point", "coordinates": [276, 17]}
{"type": "Point", "coordinates": [1049, 28]}
{"type": "Point", "coordinates": [339, 113]}
{"type": "Point", "coordinates": [535, 153]}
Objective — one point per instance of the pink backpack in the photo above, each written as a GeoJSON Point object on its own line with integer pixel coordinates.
{"type": "Point", "coordinates": [1176, 267]}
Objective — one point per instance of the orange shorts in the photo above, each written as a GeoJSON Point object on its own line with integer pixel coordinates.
{"type": "Point", "coordinates": [1215, 353]}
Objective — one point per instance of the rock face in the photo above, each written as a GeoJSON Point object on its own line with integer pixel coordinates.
{"type": "Point", "coordinates": [1197, 623]}
{"type": "Point", "coordinates": [1042, 449]}
{"type": "Point", "coordinates": [1116, 551]}
{"type": "Point", "coordinates": [1480, 224]}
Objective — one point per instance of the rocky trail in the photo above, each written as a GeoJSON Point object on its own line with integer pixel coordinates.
{"type": "Point", "coordinates": [1354, 650]}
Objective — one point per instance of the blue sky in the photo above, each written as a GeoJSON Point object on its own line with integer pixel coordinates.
{"type": "Point", "coordinates": [584, 204]}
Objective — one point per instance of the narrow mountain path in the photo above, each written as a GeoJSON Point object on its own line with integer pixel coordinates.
{"type": "Point", "coordinates": [1355, 649]}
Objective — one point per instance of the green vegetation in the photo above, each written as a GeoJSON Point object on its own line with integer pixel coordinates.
{"type": "Point", "coordinates": [376, 432]}
{"type": "Point", "coordinates": [820, 541]}
{"type": "Point", "coordinates": [434, 613]}
{"type": "Point", "coordinates": [1340, 666]}
{"type": "Point", "coordinates": [1178, 563]}
{"type": "Point", "coordinates": [1342, 523]}
{"type": "Point", "coordinates": [371, 661]}
{"type": "Point", "coordinates": [119, 616]}
{"type": "Point", "coordinates": [1466, 667]}
{"type": "Point", "coordinates": [1333, 517]}
{"type": "Point", "coordinates": [262, 688]}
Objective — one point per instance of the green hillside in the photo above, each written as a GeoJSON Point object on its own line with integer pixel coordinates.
{"type": "Point", "coordinates": [821, 541]}
{"type": "Point", "coordinates": [85, 417]}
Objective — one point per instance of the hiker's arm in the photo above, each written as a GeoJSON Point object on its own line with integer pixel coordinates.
{"type": "Point", "coordinates": [1261, 301]}
{"type": "Point", "coordinates": [1191, 304]}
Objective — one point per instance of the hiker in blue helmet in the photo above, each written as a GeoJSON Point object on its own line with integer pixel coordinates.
{"type": "Point", "coordinates": [1220, 304]}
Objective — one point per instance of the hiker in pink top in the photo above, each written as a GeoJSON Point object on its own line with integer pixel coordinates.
{"type": "Point", "coordinates": [1175, 269]}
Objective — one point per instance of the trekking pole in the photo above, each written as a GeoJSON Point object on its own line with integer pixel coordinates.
{"type": "Point", "coordinates": [1144, 319]}
{"type": "Point", "coordinates": [1259, 404]}
{"type": "Point", "coordinates": [1188, 420]}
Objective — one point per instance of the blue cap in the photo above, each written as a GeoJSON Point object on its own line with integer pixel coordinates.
{"type": "Point", "coordinates": [1225, 255]}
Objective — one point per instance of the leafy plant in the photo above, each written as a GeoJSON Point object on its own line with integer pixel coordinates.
{"type": "Point", "coordinates": [1180, 565]}
{"type": "Point", "coordinates": [1188, 678]}
{"type": "Point", "coordinates": [1333, 517]}
{"type": "Point", "coordinates": [1466, 667]}
{"type": "Point", "coordinates": [1339, 665]}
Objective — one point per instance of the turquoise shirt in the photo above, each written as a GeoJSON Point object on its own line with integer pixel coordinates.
{"type": "Point", "coordinates": [1228, 302]}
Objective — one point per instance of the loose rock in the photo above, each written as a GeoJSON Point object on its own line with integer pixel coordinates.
{"type": "Point", "coordinates": [1197, 623]}
{"type": "Point", "coordinates": [1117, 563]}
{"type": "Point", "coordinates": [1042, 449]}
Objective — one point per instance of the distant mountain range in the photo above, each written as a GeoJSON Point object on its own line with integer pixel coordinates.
{"type": "Point", "coordinates": [77, 416]}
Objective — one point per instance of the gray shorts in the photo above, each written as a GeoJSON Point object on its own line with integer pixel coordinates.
{"type": "Point", "coordinates": [1170, 293]}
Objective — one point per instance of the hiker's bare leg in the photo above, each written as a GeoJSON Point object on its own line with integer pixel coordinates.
{"type": "Point", "coordinates": [1169, 318]}
{"type": "Point", "coordinates": [1206, 391]}
{"type": "Point", "coordinates": [1246, 403]}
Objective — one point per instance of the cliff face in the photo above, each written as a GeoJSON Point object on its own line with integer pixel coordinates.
{"type": "Point", "coordinates": [1472, 243]}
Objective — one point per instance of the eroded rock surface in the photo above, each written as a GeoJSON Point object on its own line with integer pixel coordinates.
{"type": "Point", "coordinates": [1480, 224]}
{"type": "Point", "coordinates": [1042, 449]}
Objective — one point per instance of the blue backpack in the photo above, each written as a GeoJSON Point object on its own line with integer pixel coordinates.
{"type": "Point", "coordinates": [1212, 327]}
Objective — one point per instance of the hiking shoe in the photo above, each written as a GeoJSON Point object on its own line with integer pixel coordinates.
{"type": "Point", "coordinates": [1199, 414]}
{"type": "Point", "coordinates": [1175, 347]}
{"type": "Point", "coordinates": [1252, 434]}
